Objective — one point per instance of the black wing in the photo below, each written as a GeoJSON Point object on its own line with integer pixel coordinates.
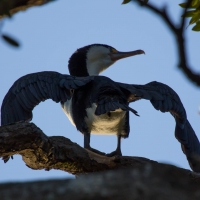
{"type": "Point", "coordinates": [161, 96]}
{"type": "Point", "coordinates": [165, 99]}
{"type": "Point", "coordinates": [29, 90]}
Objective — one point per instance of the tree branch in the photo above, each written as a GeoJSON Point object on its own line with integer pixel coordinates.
{"type": "Point", "coordinates": [41, 152]}
{"type": "Point", "coordinates": [139, 178]}
{"type": "Point", "coordinates": [9, 7]}
{"type": "Point", "coordinates": [142, 182]}
{"type": "Point", "coordinates": [179, 33]}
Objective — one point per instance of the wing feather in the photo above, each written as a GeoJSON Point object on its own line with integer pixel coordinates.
{"type": "Point", "coordinates": [29, 90]}
{"type": "Point", "coordinates": [165, 99]}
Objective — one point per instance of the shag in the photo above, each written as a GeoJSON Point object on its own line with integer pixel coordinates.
{"type": "Point", "coordinates": [97, 104]}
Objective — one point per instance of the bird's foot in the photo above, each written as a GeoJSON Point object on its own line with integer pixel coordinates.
{"type": "Point", "coordinates": [95, 151]}
{"type": "Point", "coordinates": [114, 153]}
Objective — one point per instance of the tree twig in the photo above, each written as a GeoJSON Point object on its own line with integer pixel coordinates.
{"type": "Point", "coordinates": [179, 33]}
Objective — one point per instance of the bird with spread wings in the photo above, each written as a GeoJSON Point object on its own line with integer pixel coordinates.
{"type": "Point", "coordinates": [97, 104]}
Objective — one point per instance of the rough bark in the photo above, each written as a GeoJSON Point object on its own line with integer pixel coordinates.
{"type": "Point", "coordinates": [118, 178]}
{"type": "Point", "coordinates": [154, 182]}
{"type": "Point", "coordinates": [9, 7]}
{"type": "Point", "coordinates": [42, 152]}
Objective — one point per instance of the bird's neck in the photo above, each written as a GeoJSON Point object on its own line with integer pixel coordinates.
{"type": "Point", "coordinates": [95, 68]}
{"type": "Point", "coordinates": [88, 68]}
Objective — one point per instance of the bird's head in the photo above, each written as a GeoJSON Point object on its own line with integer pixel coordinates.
{"type": "Point", "coordinates": [95, 58]}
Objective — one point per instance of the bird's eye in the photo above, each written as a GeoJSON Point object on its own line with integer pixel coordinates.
{"type": "Point", "coordinates": [114, 50]}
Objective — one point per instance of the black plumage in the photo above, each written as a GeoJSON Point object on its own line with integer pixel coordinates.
{"type": "Point", "coordinates": [26, 93]}
{"type": "Point", "coordinates": [90, 100]}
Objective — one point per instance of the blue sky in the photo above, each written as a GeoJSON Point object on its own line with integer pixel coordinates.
{"type": "Point", "coordinates": [51, 33]}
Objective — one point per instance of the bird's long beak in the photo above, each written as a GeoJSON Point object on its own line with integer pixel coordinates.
{"type": "Point", "coordinates": [119, 55]}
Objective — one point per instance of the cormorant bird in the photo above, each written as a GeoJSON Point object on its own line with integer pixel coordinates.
{"type": "Point", "coordinates": [96, 104]}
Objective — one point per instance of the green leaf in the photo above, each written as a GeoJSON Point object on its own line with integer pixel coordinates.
{"type": "Point", "coordinates": [196, 27]}
{"type": "Point", "coordinates": [194, 19]}
{"type": "Point", "coordinates": [183, 5]}
{"type": "Point", "coordinates": [194, 4]}
{"type": "Point", "coordinates": [10, 40]}
{"type": "Point", "coordinates": [190, 13]}
{"type": "Point", "coordinates": [126, 1]}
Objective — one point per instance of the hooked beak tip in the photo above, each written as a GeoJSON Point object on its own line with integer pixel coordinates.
{"type": "Point", "coordinates": [141, 52]}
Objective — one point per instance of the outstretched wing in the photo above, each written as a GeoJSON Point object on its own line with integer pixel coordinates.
{"type": "Point", "coordinates": [161, 96]}
{"type": "Point", "coordinates": [165, 99]}
{"type": "Point", "coordinates": [29, 90]}
{"type": "Point", "coordinates": [189, 144]}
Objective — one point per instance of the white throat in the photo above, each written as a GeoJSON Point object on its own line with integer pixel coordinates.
{"type": "Point", "coordinates": [98, 60]}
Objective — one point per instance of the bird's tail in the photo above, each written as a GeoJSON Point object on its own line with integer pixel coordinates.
{"type": "Point", "coordinates": [189, 143]}
{"type": "Point", "coordinates": [112, 106]}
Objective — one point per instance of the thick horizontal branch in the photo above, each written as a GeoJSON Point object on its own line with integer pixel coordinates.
{"type": "Point", "coordinates": [41, 152]}
{"type": "Point", "coordinates": [147, 182]}
{"type": "Point", "coordinates": [145, 179]}
{"type": "Point", "coordinates": [9, 7]}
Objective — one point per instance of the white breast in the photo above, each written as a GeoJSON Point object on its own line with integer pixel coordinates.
{"type": "Point", "coordinates": [105, 124]}
{"type": "Point", "coordinates": [102, 124]}
{"type": "Point", "coordinates": [67, 108]}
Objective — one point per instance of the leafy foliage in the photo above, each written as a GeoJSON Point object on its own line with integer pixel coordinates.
{"type": "Point", "coordinates": [193, 11]}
